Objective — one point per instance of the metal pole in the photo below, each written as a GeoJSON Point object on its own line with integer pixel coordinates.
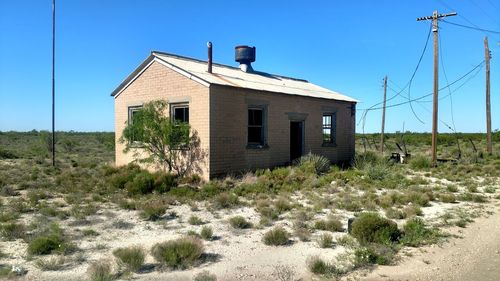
{"type": "Point", "coordinates": [383, 117]}
{"type": "Point", "coordinates": [488, 106]}
{"type": "Point", "coordinates": [53, 82]}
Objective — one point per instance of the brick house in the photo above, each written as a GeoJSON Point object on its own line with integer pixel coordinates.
{"type": "Point", "coordinates": [245, 119]}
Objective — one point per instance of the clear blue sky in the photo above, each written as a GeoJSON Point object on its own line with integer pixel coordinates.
{"type": "Point", "coordinates": [347, 46]}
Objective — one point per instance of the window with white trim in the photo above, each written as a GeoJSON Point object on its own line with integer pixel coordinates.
{"type": "Point", "coordinates": [180, 112]}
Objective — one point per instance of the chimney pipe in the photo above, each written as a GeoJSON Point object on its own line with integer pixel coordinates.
{"type": "Point", "coordinates": [209, 45]}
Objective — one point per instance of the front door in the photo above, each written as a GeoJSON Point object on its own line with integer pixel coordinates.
{"type": "Point", "coordinates": [296, 139]}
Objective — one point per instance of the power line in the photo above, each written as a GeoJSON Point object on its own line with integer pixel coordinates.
{"type": "Point", "coordinates": [427, 95]}
{"type": "Point", "coordinates": [471, 27]}
{"type": "Point", "coordinates": [412, 76]}
{"type": "Point", "coordinates": [447, 82]}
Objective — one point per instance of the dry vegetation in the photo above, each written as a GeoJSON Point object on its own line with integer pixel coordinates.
{"type": "Point", "coordinates": [90, 220]}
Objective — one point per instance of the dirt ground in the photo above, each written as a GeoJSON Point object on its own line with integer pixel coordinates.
{"type": "Point", "coordinates": [474, 255]}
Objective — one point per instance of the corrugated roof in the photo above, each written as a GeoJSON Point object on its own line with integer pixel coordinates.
{"type": "Point", "coordinates": [234, 77]}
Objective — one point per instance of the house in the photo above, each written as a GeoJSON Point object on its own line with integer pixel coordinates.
{"type": "Point", "coordinates": [245, 119]}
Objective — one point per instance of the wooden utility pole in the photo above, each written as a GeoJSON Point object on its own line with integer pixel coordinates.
{"type": "Point", "coordinates": [383, 117]}
{"type": "Point", "coordinates": [488, 109]}
{"type": "Point", "coordinates": [53, 82]}
{"type": "Point", "coordinates": [435, 16]}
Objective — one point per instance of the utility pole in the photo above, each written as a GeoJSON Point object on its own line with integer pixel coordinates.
{"type": "Point", "coordinates": [435, 16]}
{"type": "Point", "coordinates": [383, 117]}
{"type": "Point", "coordinates": [53, 82]}
{"type": "Point", "coordinates": [488, 109]}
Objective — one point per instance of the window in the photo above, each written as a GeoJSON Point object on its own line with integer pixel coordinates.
{"type": "Point", "coordinates": [256, 126]}
{"type": "Point", "coordinates": [180, 112]}
{"type": "Point", "coordinates": [329, 128]}
{"type": "Point", "coordinates": [133, 114]}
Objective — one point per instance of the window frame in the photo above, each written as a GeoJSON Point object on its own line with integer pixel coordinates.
{"type": "Point", "coordinates": [174, 106]}
{"type": "Point", "coordinates": [263, 126]}
{"type": "Point", "coordinates": [332, 127]}
{"type": "Point", "coordinates": [131, 110]}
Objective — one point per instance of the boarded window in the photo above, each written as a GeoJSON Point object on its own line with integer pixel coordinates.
{"type": "Point", "coordinates": [329, 128]}
{"type": "Point", "coordinates": [180, 112]}
{"type": "Point", "coordinates": [255, 126]}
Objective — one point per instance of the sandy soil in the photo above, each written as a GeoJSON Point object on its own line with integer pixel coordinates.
{"type": "Point", "coordinates": [475, 255]}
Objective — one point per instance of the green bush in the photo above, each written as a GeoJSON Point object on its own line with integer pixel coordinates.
{"type": "Point", "coordinates": [143, 183]}
{"type": "Point", "coordinates": [164, 182]}
{"type": "Point", "coordinates": [417, 234]}
{"type": "Point", "coordinates": [44, 245]}
{"type": "Point", "coordinates": [420, 162]}
{"type": "Point", "coordinates": [180, 253]}
{"type": "Point", "coordinates": [448, 198]}
{"type": "Point", "coordinates": [118, 177]}
{"type": "Point", "coordinates": [277, 236]}
{"type": "Point", "coordinates": [132, 258]}
{"type": "Point", "coordinates": [372, 228]}
{"type": "Point", "coordinates": [207, 233]}
{"type": "Point", "coordinates": [239, 222]}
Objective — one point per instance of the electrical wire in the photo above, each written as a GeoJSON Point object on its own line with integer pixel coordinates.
{"type": "Point", "coordinates": [471, 27]}
{"type": "Point", "coordinates": [409, 82]}
{"type": "Point", "coordinates": [430, 94]}
{"type": "Point", "coordinates": [447, 82]}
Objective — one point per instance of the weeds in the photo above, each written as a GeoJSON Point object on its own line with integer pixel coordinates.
{"type": "Point", "coordinates": [371, 228]}
{"type": "Point", "coordinates": [132, 258]}
{"type": "Point", "coordinates": [207, 233]}
{"type": "Point", "coordinates": [100, 271]}
{"type": "Point", "coordinates": [239, 222]}
{"type": "Point", "coordinates": [277, 236]}
{"type": "Point", "coordinates": [325, 240]}
{"type": "Point", "coordinates": [178, 254]}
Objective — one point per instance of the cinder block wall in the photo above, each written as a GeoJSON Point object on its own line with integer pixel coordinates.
{"type": "Point", "coordinates": [228, 128]}
{"type": "Point", "coordinates": [159, 82]}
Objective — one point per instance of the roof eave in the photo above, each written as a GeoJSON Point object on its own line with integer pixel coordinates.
{"type": "Point", "coordinates": [133, 75]}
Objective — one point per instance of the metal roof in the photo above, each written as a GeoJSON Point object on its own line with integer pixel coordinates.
{"type": "Point", "coordinates": [234, 77]}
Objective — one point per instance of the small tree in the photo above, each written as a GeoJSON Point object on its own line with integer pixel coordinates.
{"type": "Point", "coordinates": [170, 144]}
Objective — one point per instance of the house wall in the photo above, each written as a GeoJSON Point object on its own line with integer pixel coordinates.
{"type": "Point", "coordinates": [160, 82]}
{"type": "Point", "coordinates": [228, 128]}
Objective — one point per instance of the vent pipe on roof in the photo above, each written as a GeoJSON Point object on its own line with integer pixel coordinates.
{"type": "Point", "coordinates": [245, 55]}
{"type": "Point", "coordinates": [209, 45]}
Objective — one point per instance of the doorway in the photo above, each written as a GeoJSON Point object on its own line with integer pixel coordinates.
{"type": "Point", "coordinates": [296, 139]}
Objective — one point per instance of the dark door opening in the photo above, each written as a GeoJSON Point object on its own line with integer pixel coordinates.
{"type": "Point", "coordinates": [296, 139]}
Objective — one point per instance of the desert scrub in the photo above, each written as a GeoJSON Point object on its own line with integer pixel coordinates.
{"type": "Point", "coordinates": [153, 209]}
{"type": "Point", "coordinates": [374, 254]}
{"type": "Point", "coordinates": [100, 271]}
{"type": "Point", "coordinates": [282, 205]}
{"type": "Point", "coordinates": [239, 222]}
{"type": "Point", "coordinates": [225, 201]}
{"type": "Point", "coordinates": [320, 267]}
{"type": "Point", "coordinates": [332, 224]}
{"type": "Point", "coordinates": [49, 241]}
{"type": "Point", "coordinates": [205, 276]}
{"type": "Point", "coordinates": [393, 213]}
{"type": "Point", "coordinates": [313, 163]}
{"type": "Point", "coordinates": [11, 231]}
{"type": "Point", "coordinates": [325, 240]}
{"type": "Point", "coordinates": [207, 233]}
{"type": "Point", "coordinates": [132, 258]}
{"type": "Point", "coordinates": [420, 162]}
{"type": "Point", "coordinates": [51, 264]}
{"type": "Point", "coordinates": [180, 253]}
{"type": "Point", "coordinates": [195, 220]}
{"type": "Point", "coordinates": [417, 234]}
{"type": "Point", "coordinates": [277, 236]}
{"type": "Point", "coordinates": [447, 198]}
{"type": "Point", "coordinates": [372, 228]}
